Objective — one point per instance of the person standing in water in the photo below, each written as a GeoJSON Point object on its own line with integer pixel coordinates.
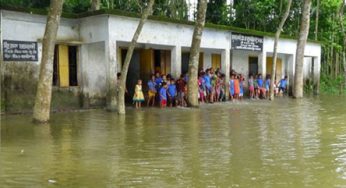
{"type": "Point", "coordinates": [163, 95]}
{"type": "Point", "coordinates": [138, 97]}
{"type": "Point", "coordinates": [152, 91]}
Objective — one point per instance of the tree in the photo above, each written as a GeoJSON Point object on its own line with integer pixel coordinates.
{"type": "Point", "coordinates": [194, 54]}
{"type": "Point", "coordinates": [316, 18]}
{"type": "Point", "coordinates": [95, 5]}
{"type": "Point", "coordinates": [44, 89]}
{"type": "Point", "coordinates": [217, 11]}
{"type": "Point", "coordinates": [124, 70]}
{"type": "Point", "coordinates": [342, 26]}
{"type": "Point", "coordinates": [303, 35]}
{"type": "Point", "coordinates": [275, 55]}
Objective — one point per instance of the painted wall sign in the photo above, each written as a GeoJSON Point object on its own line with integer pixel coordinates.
{"type": "Point", "coordinates": [19, 50]}
{"type": "Point", "coordinates": [246, 42]}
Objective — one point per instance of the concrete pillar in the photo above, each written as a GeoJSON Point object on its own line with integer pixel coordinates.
{"type": "Point", "coordinates": [83, 81]}
{"type": "Point", "coordinates": [207, 60]}
{"type": "Point", "coordinates": [119, 59]}
{"type": "Point", "coordinates": [112, 69]}
{"type": "Point", "coordinates": [290, 69]}
{"type": "Point", "coordinates": [176, 61]}
{"type": "Point", "coordinates": [262, 63]}
{"type": "Point", "coordinates": [225, 67]}
{"type": "Point", "coordinates": [316, 74]}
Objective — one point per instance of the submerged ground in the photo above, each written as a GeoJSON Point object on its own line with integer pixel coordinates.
{"type": "Point", "coordinates": [285, 143]}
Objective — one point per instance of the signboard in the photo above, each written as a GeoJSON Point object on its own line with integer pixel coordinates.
{"type": "Point", "coordinates": [19, 50]}
{"type": "Point", "coordinates": [247, 42]}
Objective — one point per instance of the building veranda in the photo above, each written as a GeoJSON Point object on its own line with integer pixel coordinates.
{"type": "Point", "coordinates": [91, 48]}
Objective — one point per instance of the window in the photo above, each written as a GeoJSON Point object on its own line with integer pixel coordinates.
{"type": "Point", "coordinates": [65, 66]}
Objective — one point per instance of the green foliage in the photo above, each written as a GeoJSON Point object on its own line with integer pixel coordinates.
{"type": "Point", "coordinates": [76, 6]}
{"type": "Point", "coordinates": [218, 12]}
{"type": "Point", "coordinates": [330, 85]}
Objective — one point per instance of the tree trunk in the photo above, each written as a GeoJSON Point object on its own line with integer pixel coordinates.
{"type": "Point", "coordinates": [125, 67]}
{"type": "Point", "coordinates": [303, 35]}
{"type": "Point", "coordinates": [317, 18]}
{"type": "Point", "coordinates": [44, 88]}
{"type": "Point", "coordinates": [95, 5]}
{"type": "Point", "coordinates": [194, 55]}
{"type": "Point", "coordinates": [343, 50]}
{"type": "Point", "coordinates": [275, 55]}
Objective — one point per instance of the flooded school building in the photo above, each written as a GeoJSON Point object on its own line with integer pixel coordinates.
{"type": "Point", "coordinates": [91, 48]}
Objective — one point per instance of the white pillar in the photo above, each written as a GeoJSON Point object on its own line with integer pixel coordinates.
{"type": "Point", "coordinates": [119, 59]}
{"type": "Point", "coordinates": [317, 72]}
{"type": "Point", "coordinates": [207, 60]}
{"type": "Point", "coordinates": [111, 60]}
{"type": "Point", "coordinates": [225, 67]}
{"type": "Point", "coordinates": [262, 63]}
{"type": "Point", "coordinates": [176, 61]}
{"type": "Point", "coordinates": [83, 69]}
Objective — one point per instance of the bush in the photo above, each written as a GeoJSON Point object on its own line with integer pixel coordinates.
{"type": "Point", "coordinates": [331, 85]}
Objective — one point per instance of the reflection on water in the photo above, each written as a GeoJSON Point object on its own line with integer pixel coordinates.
{"type": "Point", "coordinates": [287, 143]}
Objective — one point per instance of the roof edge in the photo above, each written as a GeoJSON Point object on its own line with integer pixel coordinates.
{"type": "Point", "coordinates": [155, 18]}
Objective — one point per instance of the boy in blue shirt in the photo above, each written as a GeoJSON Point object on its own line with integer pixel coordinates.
{"type": "Point", "coordinates": [283, 85]}
{"type": "Point", "coordinates": [172, 93]}
{"type": "Point", "coordinates": [152, 91]}
{"type": "Point", "coordinates": [163, 95]}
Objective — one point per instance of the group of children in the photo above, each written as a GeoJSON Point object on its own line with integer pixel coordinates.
{"type": "Point", "coordinates": [212, 87]}
{"type": "Point", "coordinates": [163, 89]}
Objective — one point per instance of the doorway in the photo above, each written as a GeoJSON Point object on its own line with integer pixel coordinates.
{"type": "Point", "coordinates": [269, 68]}
{"type": "Point", "coordinates": [216, 61]}
{"type": "Point", "coordinates": [185, 58]}
{"type": "Point", "coordinates": [253, 66]}
{"type": "Point", "coordinates": [65, 66]}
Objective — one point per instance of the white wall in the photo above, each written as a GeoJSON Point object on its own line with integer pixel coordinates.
{"type": "Point", "coordinates": [93, 69]}
{"type": "Point", "coordinates": [167, 34]}
{"type": "Point", "coordinates": [240, 61]}
{"type": "Point", "coordinates": [30, 27]}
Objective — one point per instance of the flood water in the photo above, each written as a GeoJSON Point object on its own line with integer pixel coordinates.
{"type": "Point", "coordinates": [285, 143]}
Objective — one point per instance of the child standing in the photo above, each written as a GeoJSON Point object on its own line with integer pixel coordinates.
{"type": "Point", "coordinates": [201, 88]}
{"type": "Point", "coordinates": [267, 86]}
{"type": "Point", "coordinates": [181, 90]}
{"type": "Point", "coordinates": [138, 97]}
{"type": "Point", "coordinates": [163, 95]}
{"type": "Point", "coordinates": [152, 90]}
{"type": "Point", "coordinates": [283, 85]}
{"type": "Point", "coordinates": [207, 80]}
{"type": "Point", "coordinates": [255, 83]}
{"type": "Point", "coordinates": [236, 88]}
{"type": "Point", "coordinates": [231, 87]}
{"type": "Point", "coordinates": [260, 86]}
{"type": "Point", "coordinates": [222, 88]}
{"type": "Point", "coordinates": [241, 87]}
{"type": "Point", "coordinates": [172, 93]}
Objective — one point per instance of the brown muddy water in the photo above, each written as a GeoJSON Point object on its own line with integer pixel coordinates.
{"type": "Point", "coordinates": [285, 143]}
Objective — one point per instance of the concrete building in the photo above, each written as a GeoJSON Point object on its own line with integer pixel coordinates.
{"type": "Point", "coordinates": [90, 50]}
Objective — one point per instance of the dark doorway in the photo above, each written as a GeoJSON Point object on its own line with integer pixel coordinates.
{"type": "Point", "coordinates": [65, 65]}
{"type": "Point", "coordinates": [253, 65]}
{"type": "Point", "coordinates": [185, 62]}
{"type": "Point", "coordinates": [72, 59]}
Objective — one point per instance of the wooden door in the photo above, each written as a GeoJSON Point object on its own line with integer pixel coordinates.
{"type": "Point", "coordinates": [216, 61]}
{"type": "Point", "coordinates": [63, 65]}
{"type": "Point", "coordinates": [269, 67]}
{"type": "Point", "coordinates": [146, 63]}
